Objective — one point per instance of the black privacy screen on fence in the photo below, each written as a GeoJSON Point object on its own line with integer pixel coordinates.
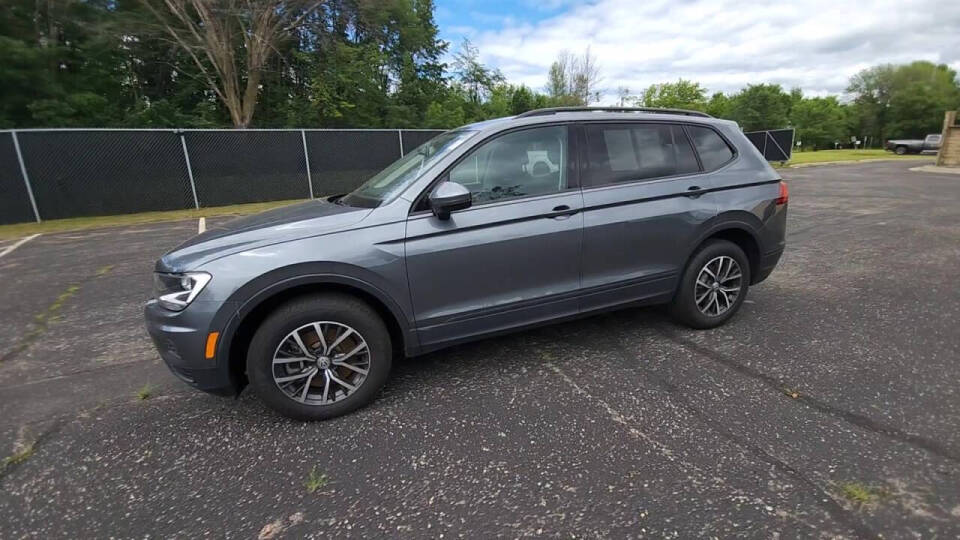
{"type": "Point", "coordinates": [14, 200]}
{"type": "Point", "coordinates": [342, 160]}
{"type": "Point", "coordinates": [774, 144]}
{"type": "Point", "coordinates": [87, 172]}
{"type": "Point", "coordinates": [234, 167]}
{"type": "Point", "coordinates": [413, 139]}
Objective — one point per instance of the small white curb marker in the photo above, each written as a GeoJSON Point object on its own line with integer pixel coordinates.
{"type": "Point", "coordinates": [202, 226]}
{"type": "Point", "coordinates": [19, 243]}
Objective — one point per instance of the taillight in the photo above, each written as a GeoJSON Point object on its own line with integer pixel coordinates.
{"type": "Point", "coordinates": [784, 194]}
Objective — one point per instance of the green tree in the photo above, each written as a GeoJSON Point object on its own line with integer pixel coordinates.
{"type": "Point", "coordinates": [367, 63]}
{"type": "Point", "coordinates": [56, 67]}
{"type": "Point", "coordinates": [820, 122]}
{"type": "Point", "coordinates": [509, 100]}
{"type": "Point", "coordinates": [718, 106]}
{"type": "Point", "coordinates": [682, 94]}
{"type": "Point", "coordinates": [574, 79]}
{"type": "Point", "coordinates": [23, 79]}
{"type": "Point", "coordinates": [796, 96]}
{"type": "Point", "coordinates": [475, 79]}
{"type": "Point", "coordinates": [414, 59]}
{"type": "Point", "coordinates": [525, 99]}
{"type": "Point", "coordinates": [760, 106]}
{"type": "Point", "coordinates": [357, 63]}
{"type": "Point", "coordinates": [902, 100]}
{"type": "Point", "coordinates": [231, 43]}
{"type": "Point", "coordinates": [444, 115]}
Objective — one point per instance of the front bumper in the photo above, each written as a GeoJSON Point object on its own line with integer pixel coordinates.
{"type": "Point", "coordinates": [180, 338]}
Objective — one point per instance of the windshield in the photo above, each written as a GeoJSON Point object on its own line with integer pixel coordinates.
{"type": "Point", "coordinates": [401, 173]}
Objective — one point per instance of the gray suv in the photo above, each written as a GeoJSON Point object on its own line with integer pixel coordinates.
{"type": "Point", "coordinates": [492, 227]}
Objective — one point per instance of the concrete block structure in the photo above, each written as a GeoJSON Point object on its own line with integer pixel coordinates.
{"type": "Point", "coordinates": [949, 154]}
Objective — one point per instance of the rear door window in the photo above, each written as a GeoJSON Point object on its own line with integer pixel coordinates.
{"type": "Point", "coordinates": [713, 150]}
{"type": "Point", "coordinates": [629, 152]}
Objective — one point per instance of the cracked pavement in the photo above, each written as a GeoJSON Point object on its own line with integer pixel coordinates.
{"type": "Point", "coordinates": [840, 371]}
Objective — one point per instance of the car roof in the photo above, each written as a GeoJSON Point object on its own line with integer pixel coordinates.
{"type": "Point", "coordinates": [598, 114]}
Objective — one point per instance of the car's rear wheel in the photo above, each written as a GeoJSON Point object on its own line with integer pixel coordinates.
{"type": "Point", "coordinates": [319, 356]}
{"type": "Point", "coordinates": [713, 286]}
{"type": "Point", "coordinates": [900, 150]}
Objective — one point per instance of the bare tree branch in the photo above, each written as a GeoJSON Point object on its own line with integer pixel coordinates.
{"type": "Point", "coordinates": [574, 78]}
{"type": "Point", "coordinates": [231, 42]}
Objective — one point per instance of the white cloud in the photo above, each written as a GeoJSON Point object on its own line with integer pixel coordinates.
{"type": "Point", "coordinates": [725, 44]}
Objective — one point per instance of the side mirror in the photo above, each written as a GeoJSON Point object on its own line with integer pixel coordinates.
{"type": "Point", "coordinates": [449, 197]}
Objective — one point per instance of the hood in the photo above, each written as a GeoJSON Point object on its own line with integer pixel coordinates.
{"type": "Point", "coordinates": [301, 220]}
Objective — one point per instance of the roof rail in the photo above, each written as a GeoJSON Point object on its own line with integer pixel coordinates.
{"type": "Point", "coordinates": [655, 110]}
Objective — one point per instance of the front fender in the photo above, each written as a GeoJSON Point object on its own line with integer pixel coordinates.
{"type": "Point", "coordinates": [253, 294]}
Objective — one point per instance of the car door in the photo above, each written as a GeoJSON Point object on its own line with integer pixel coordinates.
{"type": "Point", "coordinates": [645, 200]}
{"type": "Point", "coordinates": [510, 259]}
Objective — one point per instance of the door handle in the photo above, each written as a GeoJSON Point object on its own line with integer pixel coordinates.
{"type": "Point", "coordinates": [561, 211]}
{"type": "Point", "coordinates": [695, 191]}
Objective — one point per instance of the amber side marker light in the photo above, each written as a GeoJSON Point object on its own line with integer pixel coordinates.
{"type": "Point", "coordinates": [211, 344]}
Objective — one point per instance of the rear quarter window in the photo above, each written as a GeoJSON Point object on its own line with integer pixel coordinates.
{"type": "Point", "coordinates": [713, 150]}
{"type": "Point", "coordinates": [630, 152]}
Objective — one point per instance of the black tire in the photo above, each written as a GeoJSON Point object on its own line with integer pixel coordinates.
{"type": "Point", "coordinates": [900, 150]}
{"type": "Point", "coordinates": [336, 307]}
{"type": "Point", "coordinates": [684, 306]}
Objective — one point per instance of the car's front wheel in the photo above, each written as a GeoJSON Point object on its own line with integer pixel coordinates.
{"type": "Point", "coordinates": [319, 356]}
{"type": "Point", "coordinates": [900, 150]}
{"type": "Point", "coordinates": [713, 286]}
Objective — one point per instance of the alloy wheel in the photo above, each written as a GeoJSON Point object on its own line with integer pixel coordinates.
{"type": "Point", "coordinates": [718, 286]}
{"type": "Point", "coordinates": [321, 363]}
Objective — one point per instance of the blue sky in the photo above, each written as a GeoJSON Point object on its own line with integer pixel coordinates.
{"type": "Point", "coordinates": [461, 18]}
{"type": "Point", "coordinates": [815, 45]}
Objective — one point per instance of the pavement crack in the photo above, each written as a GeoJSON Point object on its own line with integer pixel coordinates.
{"type": "Point", "coordinates": [11, 466]}
{"type": "Point", "coordinates": [49, 315]}
{"type": "Point", "coordinates": [42, 323]}
{"type": "Point", "coordinates": [618, 417]}
{"type": "Point", "coordinates": [109, 405]}
{"type": "Point", "coordinates": [78, 373]}
{"type": "Point", "coordinates": [853, 418]}
{"type": "Point", "coordinates": [824, 498]}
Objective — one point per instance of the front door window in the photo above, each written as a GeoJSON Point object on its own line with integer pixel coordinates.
{"type": "Point", "coordinates": [519, 164]}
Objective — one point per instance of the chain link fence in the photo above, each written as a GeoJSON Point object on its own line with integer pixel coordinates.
{"type": "Point", "coordinates": [15, 203]}
{"type": "Point", "coordinates": [338, 158]}
{"type": "Point", "coordinates": [63, 173]}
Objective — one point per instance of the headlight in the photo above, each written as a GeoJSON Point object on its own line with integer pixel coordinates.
{"type": "Point", "coordinates": [176, 291]}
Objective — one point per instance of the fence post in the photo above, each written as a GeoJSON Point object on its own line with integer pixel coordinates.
{"type": "Point", "coordinates": [400, 138]}
{"type": "Point", "coordinates": [26, 178]}
{"type": "Point", "coordinates": [186, 156]}
{"type": "Point", "coordinates": [306, 158]}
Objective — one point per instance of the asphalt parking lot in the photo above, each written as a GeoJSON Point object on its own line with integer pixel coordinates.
{"type": "Point", "coordinates": [830, 406]}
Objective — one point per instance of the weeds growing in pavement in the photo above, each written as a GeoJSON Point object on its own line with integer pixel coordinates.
{"type": "Point", "coordinates": [315, 480]}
